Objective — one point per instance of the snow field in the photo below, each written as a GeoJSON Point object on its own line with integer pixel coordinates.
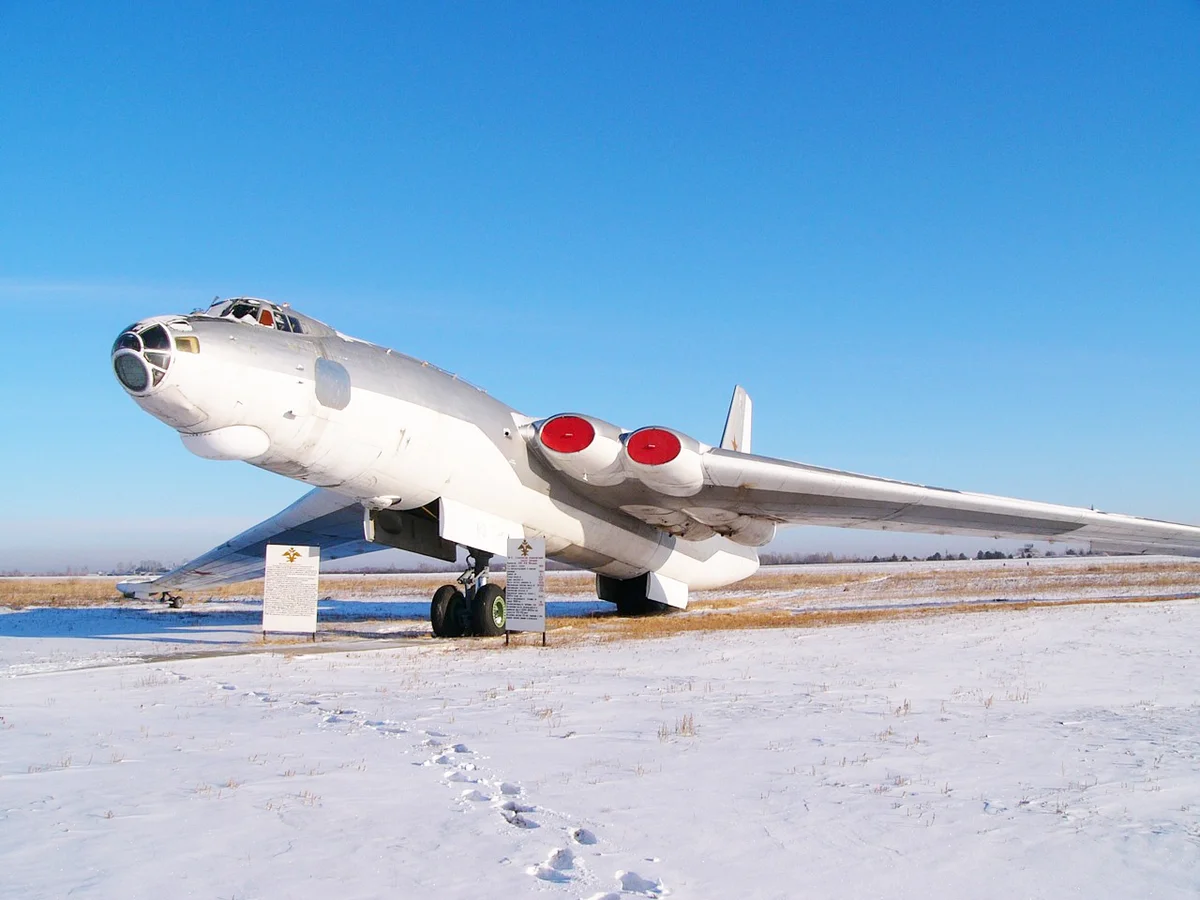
{"type": "Point", "coordinates": [1032, 753]}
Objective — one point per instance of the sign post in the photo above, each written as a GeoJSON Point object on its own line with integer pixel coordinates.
{"type": "Point", "coordinates": [290, 590]}
{"type": "Point", "coordinates": [525, 586]}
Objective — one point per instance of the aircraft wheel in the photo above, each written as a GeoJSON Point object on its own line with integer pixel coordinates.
{"type": "Point", "coordinates": [489, 615]}
{"type": "Point", "coordinates": [446, 612]}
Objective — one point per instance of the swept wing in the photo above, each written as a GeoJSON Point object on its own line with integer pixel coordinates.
{"type": "Point", "coordinates": [320, 518]}
{"type": "Point", "coordinates": [693, 491]}
{"type": "Point", "coordinates": [793, 493]}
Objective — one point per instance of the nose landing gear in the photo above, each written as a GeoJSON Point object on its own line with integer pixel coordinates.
{"type": "Point", "coordinates": [477, 609]}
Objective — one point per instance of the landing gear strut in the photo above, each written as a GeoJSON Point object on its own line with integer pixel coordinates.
{"type": "Point", "coordinates": [477, 609]}
{"type": "Point", "coordinates": [171, 600]}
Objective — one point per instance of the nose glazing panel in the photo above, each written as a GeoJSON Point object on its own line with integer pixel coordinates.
{"type": "Point", "coordinates": [156, 338]}
{"type": "Point", "coordinates": [142, 356]}
{"type": "Point", "coordinates": [131, 372]}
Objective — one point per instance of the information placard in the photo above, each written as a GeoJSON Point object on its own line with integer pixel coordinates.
{"type": "Point", "coordinates": [525, 589]}
{"type": "Point", "coordinates": [290, 589]}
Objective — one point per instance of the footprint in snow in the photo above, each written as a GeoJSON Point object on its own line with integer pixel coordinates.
{"type": "Point", "coordinates": [456, 775]}
{"type": "Point", "coordinates": [460, 748]}
{"type": "Point", "coordinates": [558, 867]}
{"type": "Point", "coordinates": [582, 836]}
{"type": "Point", "coordinates": [512, 790]}
{"type": "Point", "coordinates": [474, 796]}
{"type": "Point", "coordinates": [517, 820]}
{"type": "Point", "coordinates": [512, 806]}
{"type": "Point", "coordinates": [633, 883]}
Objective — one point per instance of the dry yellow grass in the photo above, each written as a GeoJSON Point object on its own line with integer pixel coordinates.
{"type": "Point", "coordinates": [966, 580]}
{"type": "Point", "coordinates": [607, 627]}
{"type": "Point", "coordinates": [769, 580]}
{"type": "Point", "coordinates": [942, 582]}
{"type": "Point", "coordinates": [17, 593]}
{"type": "Point", "coordinates": [420, 584]}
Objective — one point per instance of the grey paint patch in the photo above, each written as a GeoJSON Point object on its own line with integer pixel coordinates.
{"type": "Point", "coordinates": [333, 384]}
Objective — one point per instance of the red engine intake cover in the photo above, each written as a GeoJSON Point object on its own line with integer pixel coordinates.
{"type": "Point", "coordinates": [567, 434]}
{"type": "Point", "coordinates": [652, 446]}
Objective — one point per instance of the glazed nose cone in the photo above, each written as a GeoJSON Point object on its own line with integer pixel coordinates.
{"type": "Point", "coordinates": [141, 356]}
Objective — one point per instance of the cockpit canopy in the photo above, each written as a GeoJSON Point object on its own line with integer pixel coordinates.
{"type": "Point", "coordinates": [252, 311]}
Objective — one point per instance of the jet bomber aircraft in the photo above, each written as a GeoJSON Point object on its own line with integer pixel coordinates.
{"type": "Point", "coordinates": [402, 454]}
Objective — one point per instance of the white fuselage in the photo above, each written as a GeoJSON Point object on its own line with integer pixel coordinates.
{"type": "Point", "coordinates": [391, 431]}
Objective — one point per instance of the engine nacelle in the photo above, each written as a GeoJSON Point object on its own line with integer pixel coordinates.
{"type": "Point", "coordinates": [585, 448]}
{"type": "Point", "coordinates": [751, 532]}
{"type": "Point", "coordinates": [748, 531]}
{"type": "Point", "coordinates": [665, 460]}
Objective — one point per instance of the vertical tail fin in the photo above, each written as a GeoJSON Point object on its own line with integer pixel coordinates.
{"type": "Point", "coordinates": [737, 424]}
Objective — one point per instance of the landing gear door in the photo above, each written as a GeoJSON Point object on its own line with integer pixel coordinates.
{"type": "Point", "coordinates": [414, 530]}
{"type": "Point", "coordinates": [477, 530]}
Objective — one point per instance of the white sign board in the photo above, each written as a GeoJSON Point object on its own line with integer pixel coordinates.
{"type": "Point", "coordinates": [525, 588]}
{"type": "Point", "coordinates": [290, 590]}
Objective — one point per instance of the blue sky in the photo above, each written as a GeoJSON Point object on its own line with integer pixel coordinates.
{"type": "Point", "coordinates": [952, 243]}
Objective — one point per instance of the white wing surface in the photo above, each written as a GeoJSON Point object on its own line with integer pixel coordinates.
{"type": "Point", "coordinates": [318, 519]}
{"type": "Point", "coordinates": [756, 488]}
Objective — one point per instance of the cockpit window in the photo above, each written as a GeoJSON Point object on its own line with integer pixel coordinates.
{"type": "Point", "coordinates": [239, 309]}
{"type": "Point", "coordinates": [257, 311]}
{"type": "Point", "coordinates": [156, 338]}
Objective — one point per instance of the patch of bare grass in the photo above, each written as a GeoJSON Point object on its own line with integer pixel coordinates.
{"type": "Point", "coordinates": [963, 580]}
{"type": "Point", "coordinates": [611, 627]}
{"type": "Point", "coordinates": [18, 593]}
{"type": "Point", "coordinates": [722, 602]}
{"type": "Point", "coordinates": [792, 580]}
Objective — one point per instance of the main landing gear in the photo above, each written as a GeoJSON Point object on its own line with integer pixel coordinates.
{"type": "Point", "coordinates": [477, 609]}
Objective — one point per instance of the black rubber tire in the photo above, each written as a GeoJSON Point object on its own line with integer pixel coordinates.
{"type": "Point", "coordinates": [445, 612]}
{"type": "Point", "coordinates": [488, 611]}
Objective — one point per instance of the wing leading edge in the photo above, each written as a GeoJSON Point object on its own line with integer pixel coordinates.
{"type": "Point", "coordinates": [320, 518]}
{"type": "Point", "coordinates": [794, 493]}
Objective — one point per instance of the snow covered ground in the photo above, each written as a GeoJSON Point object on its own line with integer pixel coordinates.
{"type": "Point", "coordinates": [1042, 752]}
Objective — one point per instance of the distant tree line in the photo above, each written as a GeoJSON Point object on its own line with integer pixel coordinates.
{"type": "Point", "coordinates": [808, 559]}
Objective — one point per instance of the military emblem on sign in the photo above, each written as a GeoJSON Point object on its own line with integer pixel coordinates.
{"type": "Point", "coordinates": [292, 554]}
{"type": "Point", "coordinates": [525, 548]}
